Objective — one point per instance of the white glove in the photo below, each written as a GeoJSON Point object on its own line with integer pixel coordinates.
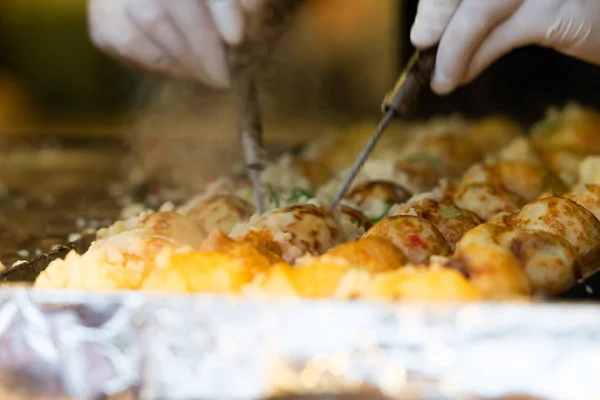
{"type": "Point", "coordinates": [472, 34]}
{"type": "Point", "coordinates": [184, 38]}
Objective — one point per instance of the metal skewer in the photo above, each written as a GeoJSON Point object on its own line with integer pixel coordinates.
{"type": "Point", "coordinates": [397, 103]}
{"type": "Point", "coordinates": [249, 120]}
{"type": "Point", "coordinates": [264, 27]}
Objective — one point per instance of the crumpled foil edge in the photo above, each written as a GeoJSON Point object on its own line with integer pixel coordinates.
{"type": "Point", "coordinates": [86, 345]}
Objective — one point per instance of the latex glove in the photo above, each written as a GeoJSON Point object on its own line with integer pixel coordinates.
{"type": "Point", "coordinates": [472, 34]}
{"type": "Point", "coordinates": [184, 38]}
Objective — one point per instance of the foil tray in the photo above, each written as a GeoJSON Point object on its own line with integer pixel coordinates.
{"type": "Point", "coordinates": [82, 345]}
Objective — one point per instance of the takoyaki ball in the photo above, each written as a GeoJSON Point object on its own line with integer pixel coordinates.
{"type": "Point", "coordinates": [493, 270]}
{"type": "Point", "coordinates": [478, 173]}
{"type": "Point", "coordinates": [317, 279]}
{"type": "Point", "coordinates": [252, 257]}
{"type": "Point", "coordinates": [565, 218]}
{"type": "Point", "coordinates": [588, 197]}
{"type": "Point", "coordinates": [413, 175]}
{"type": "Point", "coordinates": [196, 272]}
{"type": "Point", "coordinates": [262, 239]}
{"type": "Point", "coordinates": [520, 149]}
{"type": "Point", "coordinates": [501, 219]}
{"type": "Point", "coordinates": [374, 196]}
{"type": "Point", "coordinates": [354, 223]}
{"type": "Point", "coordinates": [338, 150]}
{"type": "Point", "coordinates": [572, 129]}
{"type": "Point", "coordinates": [155, 232]}
{"type": "Point", "coordinates": [420, 176]}
{"type": "Point", "coordinates": [565, 164]}
{"type": "Point", "coordinates": [443, 192]}
{"type": "Point", "coordinates": [315, 171]}
{"type": "Point", "coordinates": [522, 178]}
{"type": "Point", "coordinates": [172, 226]}
{"type": "Point", "coordinates": [97, 270]}
{"type": "Point", "coordinates": [451, 221]}
{"type": "Point", "coordinates": [374, 253]}
{"type": "Point", "coordinates": [451, 125]}
{"type": "Point", "coordinates": [484, 235]}
{"type": "Point", "coordinates": [493, 133]}
{"type": "Point", "coordinates": [434, 283]}
{"type": "Point", "coordinates": [296, 230]}
{"type": "Point", "coordinates": [589, 172]}
{"type": "Point", "coordinates": [450, 155]}
{"type": "Point", "coordinates": [486, 200]}
{"type": "Point", "coordinates": [549, 260]}
{"type": "Point", "coordinates": [221, 212]}
{"type": "Point", "coordinates": [416, 237]}
{"type": "Point", "coordinates": [240, 188]}
{"type": "Point", "coordinates": [527, 180]}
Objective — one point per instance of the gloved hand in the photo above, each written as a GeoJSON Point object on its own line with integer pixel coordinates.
{"type": "Point", "coordinates": [184, 38]}
{"type": "Point", "coordinates": [472, 34]}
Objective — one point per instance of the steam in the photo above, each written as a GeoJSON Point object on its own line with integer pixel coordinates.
{"type": "Point", "coordinates": [184, 135]}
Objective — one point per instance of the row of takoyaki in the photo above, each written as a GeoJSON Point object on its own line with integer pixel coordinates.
{"type": "Point", "coordinates": [396, 212]}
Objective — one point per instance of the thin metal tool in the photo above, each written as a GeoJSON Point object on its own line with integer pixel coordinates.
{"type": "Point", "coordinates": [249, 118]}
{"type": "Point", "coordinates": [264, 27]}
{"type": "Point", "coordinates": [397, 103]}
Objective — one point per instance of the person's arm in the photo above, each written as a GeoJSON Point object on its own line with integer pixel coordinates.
{"type": "Point", "coordinates": [473, 34]}
{"type": "Point", "coordinates": [182, 38]}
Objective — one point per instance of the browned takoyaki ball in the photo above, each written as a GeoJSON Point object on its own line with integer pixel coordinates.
{"type": "Point", "coordinates": [421, 175]}
{"type": "Point", "coordinates": [529, 180]}
{"type": "Point", "coordinates": [172, 227]}
{"type": "Point", "coordinates": [252, 257]}
{"type": "Point", "coordinates": [503, 186]}
{"type": "Point", "coordinates": [550, 262]}
{"type": "Point", "coordinates": [492, 269]}
{"type": "Point", "coordinates": [486, 199]}
{"type": "Point", "coordinates": [297, 230]}
{"type": "Point", "coordinates": [315, 171]}
{"type": "Point", "coordinates": [450, 154]}
{"type": "Point", "coordinates": [374, 253]}
{"type": "Point", "coordinates": [587, 196]}
{"type": "Point", "coordinates": [451, 221]}
{"type": "Point", "coordinates": [565, 137]}
{"type": "Point", "coordinates": [153, 233]}
{"type": "Point", "coordinates": [221, 212]}
{"type": "Point", "coordinates": [572, 129]}
{"type": "Point", "coordinates": [371, 194]}
{"type": "Point", "coordinates": [418, 238]}
{"type": "Point", "coordinates": [566, 219]}
{"type": "Point", "coordinates": [493, 133]}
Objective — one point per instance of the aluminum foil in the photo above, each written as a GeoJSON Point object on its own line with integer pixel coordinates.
{"type": "Point", "coordinates": [70, 344]}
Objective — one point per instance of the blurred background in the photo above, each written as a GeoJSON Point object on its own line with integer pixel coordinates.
{"type": "Point", "coordinates": [334, 66]}
{"type": "Point", "coordinates": [52, 79]}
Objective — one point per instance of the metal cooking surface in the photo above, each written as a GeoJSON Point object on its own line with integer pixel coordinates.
{"type": "Point", "coordinates": [51, 188]}
{"type": "Point", "coordinates": [48, 191]}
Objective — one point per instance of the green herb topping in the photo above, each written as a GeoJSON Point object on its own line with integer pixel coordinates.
{"type": "Point", "coordinates": [385, 213]}
{"type": "Point", "coordinates": [273, 198]}
{"type": "Point", "coordinates": [450, 212]}
{"type": "Point", "coordinates": [298, 193]}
